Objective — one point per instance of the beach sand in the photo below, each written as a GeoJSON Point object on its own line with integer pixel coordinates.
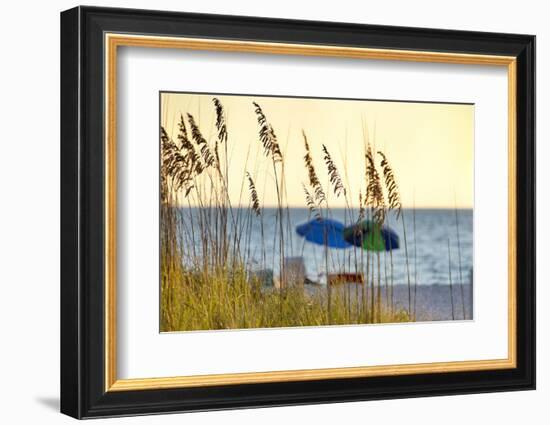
{"type": "Point", "coordinates": [433, 302]}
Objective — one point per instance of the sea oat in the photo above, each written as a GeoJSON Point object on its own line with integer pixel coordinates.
{"type": "Point", "coordinates": [361, 208]}
{"type": "Point", "coordinates": [375, 195]}
{"type": "Point", "coordinates": [310, 202]}
{"type": "Point", "coordinates": [177, 165]}
{"type": "Point", "coordinates": [267, 135]}
{"type": "Point", "coordinates": [394, 199]}
{"type": "Point", "coordinates": [207, 156]}
{"type": "Point", "coordinates": [334, 175]}
{"type": "Point", "coordinates": [253, 195]}
{"type": "Point", "coordinates": [221, 126]}
{"type": "Point", "coordinates": [314, 181]}
{"type": "Point", "coordinates": [194, 166]}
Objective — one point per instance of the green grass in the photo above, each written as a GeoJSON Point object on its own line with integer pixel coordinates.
{"type": "Point", "coordinates": [227, 299]}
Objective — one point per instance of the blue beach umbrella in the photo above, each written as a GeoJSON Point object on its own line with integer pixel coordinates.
{"type": "Point", "coordinates": [323, 231]}
{"type": "Point", "coordinates": [371, 236]}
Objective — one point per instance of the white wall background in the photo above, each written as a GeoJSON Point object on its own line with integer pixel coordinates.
{"type": "Point", "coordinates": [29, 217]}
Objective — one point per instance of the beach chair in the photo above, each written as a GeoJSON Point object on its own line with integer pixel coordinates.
{"type": "Point", "coordinates": [342, 278]}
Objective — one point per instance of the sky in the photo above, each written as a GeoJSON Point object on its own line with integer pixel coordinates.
{"type": "Point", "coordinates": [430, 146]}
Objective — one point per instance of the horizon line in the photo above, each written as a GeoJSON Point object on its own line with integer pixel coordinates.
{"type": "Point", "coordinates": [274, 206]}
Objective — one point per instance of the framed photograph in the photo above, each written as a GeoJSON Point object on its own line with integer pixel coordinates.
{"type": "Point", "coordinates": [261, 212]}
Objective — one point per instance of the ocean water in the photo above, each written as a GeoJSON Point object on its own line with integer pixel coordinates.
{"type": "Point", "coordinates": [428, 233]}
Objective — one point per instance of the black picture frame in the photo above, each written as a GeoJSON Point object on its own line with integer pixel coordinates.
{"type": "Point", "coordinates": [82, 212]}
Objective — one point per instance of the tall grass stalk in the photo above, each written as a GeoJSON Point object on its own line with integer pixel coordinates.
{"type": "Point", "coordinates": [406, 259]}
{"type": "Point", "coordinates": [394, 204]}
{"type": "Point", "coordinates": [451, 281]}
{"type": "Point", "coordinates": [460, 264]}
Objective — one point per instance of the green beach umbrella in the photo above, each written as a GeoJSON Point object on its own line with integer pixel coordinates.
{"type": "Point", "coordinates": [371, 236]}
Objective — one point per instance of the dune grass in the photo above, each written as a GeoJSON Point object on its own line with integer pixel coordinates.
{"type": "Point", "coordinates": [193, 301]}
{"type": "Point", "coordinates": [206, 279]}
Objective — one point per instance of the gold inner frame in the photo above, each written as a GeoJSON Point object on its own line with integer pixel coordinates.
{"type": "Point", "coordinates": [113, 41]}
